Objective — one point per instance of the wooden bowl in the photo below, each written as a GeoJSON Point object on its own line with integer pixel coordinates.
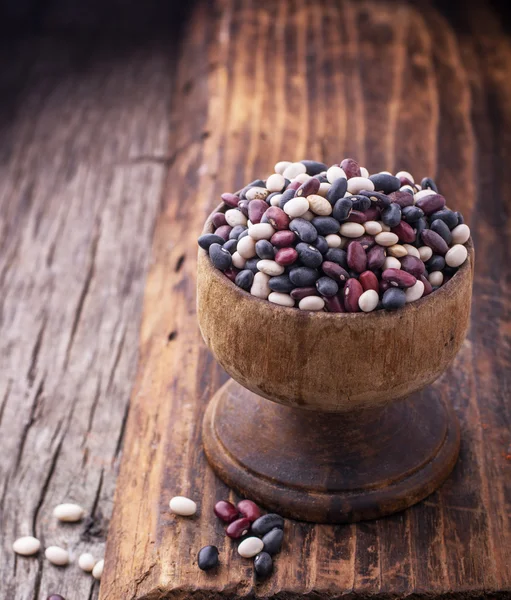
{"type": "Point", "coordinates": [354, 365]}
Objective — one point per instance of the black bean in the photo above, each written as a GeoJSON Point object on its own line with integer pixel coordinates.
{"type": "Point", "coordinates": [273, 541]}
{"type": "Point", "coordinates": [207, 558]}
{"type": "Point", "coordinates": [326, 286]}
{"type": "Point", "coordinates": [443, 231]}
{"type": "Point", "coordinates": [429, 184]}
{"type": "Point", "coordinates": [244, 279]}
{"type": "Point", "coordinates": [235, 231]}
{"type": "Point", "coordinates": [252, 264]}
{"type": "Point", "coordinates": [385, 183]}
{"type": "Point", "coordinates": [377, 198]}
{"type": "Point", "coordinates": [304, 230]}
{"type": "Point", "coordinates": [255, 183]}
{"type": "Point", "coordinates": [394, 298]}
{"type": "Point", "coordinates": [342, 209]}
{"type": "Point", "coordinates": [243, 234]}
{"type": "Point", "coordinates": [435, 263]}
{"type": "Point", "coordinates": [338, 256]}
{"type": "Point", "coordinates": [230, 246]}
{"type": "Point", "coordinates": [281, 283]}
{"type": "Point", "coordinates": [266, 523]}
{"type": "Point", "coordinates": [313, 167]}
{"type": "Point", "coordinates": [301, 277]}
{"type": "Point", "coordinates": [264, 249]}
{"type": "Point", "coordinates": [207, 239]}
{"type": "Point", "coordinates": [221, 258]}
{"type": "Point", "coordinates": [321, 244]}
{"type": "Point", "coordinates": [263, 565]}
{"type": "Point", "coordinates": [325, 225]}
{"type": "Point", "coordinates": [461, 220]}
{"type": "Point", "coordinates": [309, 256]}
{"type": "Point", "coordinates": [337, 190]}
{"type": "Point", "coordinates": [360, 202]}
{"type": "Point", "coordinates": [449, 270]}
{"type": "Point", "coordinates": [449, 217]}
{"type": "Point", "coordinates": [411, 214]}
{"type": "Point", "coordinates": [420, 225]}
{"type": "Point", "coordinates": [322, 178]}
{"type": "Point", "coordinates": [286, 197]}
{"type": "Point", "coordinates": [243, 206]}
{"type": "Point", "coordinates": [391, 215]}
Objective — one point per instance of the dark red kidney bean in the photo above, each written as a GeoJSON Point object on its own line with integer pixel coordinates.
{"type": "Point", "coordinates": [288, 195]}
{"type": "Point", "coordinates": [238, 528]}
{"type": "Point", "coordinates": [223, 231]}
{"type": "Point", "coordinates": [243, 206]}
{"type": "Point", "coordinates": [399, 278]}
{"type": "Point", "coordinates": [302, 292]}
{"type": "Point", "coordinates": [55, 597]}
{"type": "Point", "coordinates": [309, 255]}
{"type": "Point", "coordinates": [337, 190]}
{"type": "Point", "coordinates": [294, 185]}
{"type": "Point", "coordinates": [411, 214]}
{"type": "Point", "coordinates": [384, 286]}
{"type": "Point", "coordinates": [375, 257]}
{"type": "Point", "coordinates": [265, 250]}
{"type": "Point", "coordinates": [361, 203]}
{"type": "Point", "coordinates": [249, 510]}
{"type": "Point", "coordinates": [207, 239]}
{"type": "Point", "coordinates": [428, 288]}
{"type": "Point", "coordinates": [342, 209]}
{"type": "Point", "coordinates": [438, 226]}
{"type": "Point", "coordinates": [334, 304]}
{"type": "Point", "coordinates": [435, 242]}
{"type": "Point", "coordinates": [221, 258]}
{"type": "Point", "coordinates": [391, 215]}
{"type": "Point", "coordinates": [412, 265]}
{"type": "Point", "coordinates": [352, 292]}
{"type": "Point", "coordinates": [301, 277]}
{"type": "Point", "coordinates": [404, 232]}
{"type": "Point", "coordinates": [367, 241]}
{"type": "Point", "coordinates": [401, 198]}
{"type": "Point", "coordinates": [242, 279]}
{"type": "Point", "coordinates": [226, 511]}
{"type": "Point", "coordinates": [281, 283]}
{"type": "Point", "coordinates": [337, 255]}
{"type": "Point", "coordinates": [321, 244]}
{"type": "Point", "coordinates": [309, 187]}
{"type": "Point", "coordinates": [369, 281]}
{"type": "Point", "coordinates": [357, 217]}
{"type": "Point", "coordinates": [357, 258]}
{"type": "Point", "coordinates": [314, 167]}
{"type": "Point", "coordinates": [256, 209]}
{"type": "Point", "coordinates": [283, 239]}
{"type": "Point", "coordinates": [325, 225]}
{"type": "Point", "coordinates": [286, 256]}
{"type": "Point", "coordinates": [373, 213]}
{"type": "Point", "coordinates": [350, 167]}
{"type": "Point", "coordinates": [393, 299]}
{"type": "Point", "coordinates": [449, 217]}
{"type": "Point", "coordinates": [430, 204]}
{"type": "Point", "coordinates": [435, 263]}
{"type": "Point", "coordinates": [305, 230]}
{"type": "Point", "coordinates": [326, 286]}
{"type": "Point", "coordinates": [218, 219]}
{"type": "Point", "coordinates": [230, 199]}
{"type": "Point", "coordinates": [276, 217]}
{"type": "Point", "coordinates": [428, 183]}
{"type": "Point", "coordinates": [383, 182]}
{"type": "Point", "coordinates": [335, 271]}
{"type": "Point", "coordinates": [404, 181]}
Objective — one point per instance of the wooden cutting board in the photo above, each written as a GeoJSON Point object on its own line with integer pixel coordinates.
{"type": "Point", "coordinates": [396, 86]}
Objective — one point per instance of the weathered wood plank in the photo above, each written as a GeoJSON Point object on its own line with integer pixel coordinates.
{"type": "Point", "coordinates": [82, 160]}
{"type": "Point", "coordinates": [398, 86]}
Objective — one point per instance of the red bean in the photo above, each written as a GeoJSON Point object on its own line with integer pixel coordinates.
{"type": "Point", "coordinates": [249, 510]}
{"type": "Point", "coordinates": [369, 281]}
{"type": "Point", "coordinates": [402, 198]}
{"type": "Point", "coordinates": [230, 199]}
{"type": "Point", "coordinates": [283, 239]}
{"type": "Point", "coordinates": [434, 241]}
{"type": "Point", "coordinates": [256, 209]}
{"type": "Point", "coordinates": [375, 257]}
{"type": "Point", "coordinates": [405, 181]}
{"type": "Point", "coordinates": [357, 216]}
{"type": "Point", "coordinates": [309, 187]}
{"type": "Point", "coordinates": [404, 232]}
{"type": "Point", "coordinates": [231, 273]}
{"type": "Point", "coordinates": [218, 220]}
{"type": "Point", "coordinates": [335, 271]}
{"type": "Point", "coordinates": [223, 231]}
{"type": "Point", "coordinates": [238, 528]}
{"type": "Point", "coordinates": [428, 288]}
{"type": "Point", "coordinates": [412, 265]}
{"type": "Point", "coordinates": [226, 511]}
{"type": "Point", "coordinates": [373, 213]}
{"type": "Point", "coordinates": [277, 218]}
{"type": "Point", "coordinates": [357, 259]}
{"type": "Point", "coordinates": [399, 278]}
{"type": "Point", "coordinates": [384, 286]}
{"type": "Point", "coordinates": [352, 292]}
{"type": "Point", "coordinates": [302, 292]}
{"type": "Point", "coordinates": [431, 203]}
{"type": "Point", "coordinates": [351, 168]}
{"type": "Point", "coordinates": [334, 304]}
{"type": "Point", "coordinates": [286, 256]}
{"type": "Point", "coordinates": [367, 241]}
{"type": "Point", "coordinates": [294, 185]}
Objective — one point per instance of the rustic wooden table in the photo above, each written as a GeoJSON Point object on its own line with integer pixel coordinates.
{"type": "Point", "coordinates": [103, 140]}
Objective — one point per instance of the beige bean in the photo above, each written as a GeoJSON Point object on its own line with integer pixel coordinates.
{"type": "Point", "coordinates": [296, 207]}
{"type": "Point", "coordinates": [353, 230]}
{"type": "Point", "coordinates": [333, 240]}
{"type": "Point", "coordinates": [311, 303]}
{"type": "Point", "coordinates": [364, 172]}
{"type": "Point", "coordinates": [237, 260]}
{"type": "Point", "coordinates": [260, 231]}
{"type": "Point", "coordinates": [397, 250]}
{"type": "Point", "coordinates": [391, 263]}
{"type": "Point", "coordinates": [246, 247]}
{"type": "Point", "coordinates": [415, 292]}
{"type": "Point", "coordinates": [308, 216]}
{"type": "Point", "coordinates": [319, 205]}
{"type": "Point", "coordinates": [436, 278]}
{"type": "Point", "coordinates": [334, 173]}
{"type": "Point", "coordinates": [281, 166]}
{"type": "Point", "coordinates": [293, 170]}
{"type": "Point", "coordinates": [373, 227]}
{"type": "Point", "coordinates": [281, 299]}
{"type": "Point", "coordinates": [260, 287]}
{"type": "Point", "coordinates": [258, 193]}
{"type": "Point", "coordinates": [411, 250]}
{"type": "Point", "coordinates": [456, 255]}
{"type": "Point", "coordinates": [234, 217]}
{"type": "Point", "coordinates": [357, 184]}
{"type": "Point", "coordinates": [302, 177]}
{"type": "Point", "coordinates": [270, 267]}
{"type": "Point", "coordinates": [422, 194]}
{"type": "Point", "coordinates": [275, 200]}
{"type": "Point", "coordinates": [57, 556]}
{"type": "Point", "coordinates": [26, 546]}
{"type": "Point", "coordinates": [386, 239]}
{"type": "Point", "coordinates": [425, 253]}
{"type": "Point", "coordinates": [383, 226]}
{"type": "Point", "coordinates": [460, 234]}
{"type": "Point", "coordinates": [323, 189]}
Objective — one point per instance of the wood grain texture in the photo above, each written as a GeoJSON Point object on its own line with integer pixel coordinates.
{"type": "Point", "coordinates": [396, 86]}
{"type": "Point", "coordinates": [82, 161]}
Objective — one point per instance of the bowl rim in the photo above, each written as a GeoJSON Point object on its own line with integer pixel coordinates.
{"type": "Point", "coordinates": [445, 290]}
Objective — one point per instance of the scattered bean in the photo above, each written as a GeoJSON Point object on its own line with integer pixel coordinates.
{"type": "Point", "coordinates": [86, 562]}
{"type": "Point", "coordinates": [57, 556]}
{"type": "Point", "coordinates": [238, 528]}
{"type": "Point", "coordinates": [250, 547]}
{"type": "Point", "coordinates": [97, 571]}
{"type": "Point", "coordinates": [207, 558]}
{"type": "Point", "coordinates": [263, 565]}
{"type": "Point", "coordinates": [26, 546]}
{"type": "Point", "coordinates": [273, 541]}
{"type": "Point", "coordinates": [180, 505]}
{"type": "Point", "coordinates": [225, 511]}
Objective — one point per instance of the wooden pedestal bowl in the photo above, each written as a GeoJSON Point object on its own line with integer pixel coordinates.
{"type": "Point", "coordinates": [323, 419]}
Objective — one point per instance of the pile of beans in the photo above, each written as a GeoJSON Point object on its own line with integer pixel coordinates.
{"type": "Point", "coordinates": [336, 238]}
{"type": "Point", "coordinates": [261, 535]}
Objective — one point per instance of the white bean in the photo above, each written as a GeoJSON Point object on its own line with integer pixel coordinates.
{"type": "Point", "coordinates": [357, 184]}
{"type": "Point", "coordinates": [334, 173]}
{"type": "Point", "coordinates": [86, 562]}
{"type": "Point", "coordinates": [460, 234]}
{"type": "Point", "coordinates": [352, 230]}
{"type": "Point", "coordinates": [26, 546]}
{"type": "Point", "coordinates": [364, 172]}
{"type": "Point", "coordinates": [246, 247]}
{"type": "Point", "coordinates": [311, 303]}
{"type": "Point", "coordinates": [296, 207]}
{"type": "Point", "coordinates": [250, 547]}
{"type": "Point", "coordinates": [373, 227]}
{"type": "Point", "coordinates": [408, 176]}
{"type": "Point", "coordinates": [436, 278]}
{"type": "Point", "coordinates": [69, 512]}
{"type": "Point", "coordinates": [302, 177]}
{"type": "Point", "coordinates": [415, 292]}
{"type": "Point", "coordinates": [412, 250]}
{"type": "Point", "coordinates": [57, 556]}
{"type": "Point", "coordinates": [235, 217]}
{"type": "Point", "coordinates": [281, 299]}
{"type": "Point", "coordinates": [281, 166]}
{"type": "Point", "coordinates": [275, 200]}
{"type": "Point", "coordinates": [275, 183]}
{"type": "Point", "coordinates": [391, 263]}
{"type": "Point", "coordinates": [425, 253]}
{"type": "Point", "coordinates": [456, 255]}
{"type": "Point", "coordinates": [237, 260]}
{"type": "Point", "coordinates": [333, 240]}
{"type": "Point", "coordinates": [422, 194]}
{"type": "Point", "coordinates": [384, 227]}
{"type": "Point", "coordinates": [386, 238]}
{"type": "Point", "coordinates": [260, 287]}
{"type": "Point", "coordinates": [97, 571]}
{"type": "Point", "coordinates": [308, 216]}
{"type": "Point", "coordinates": [368, 301]}
{"type": "Point", "coordinates": [270, 267]}
{"type": "Point", "coordinates": [293, 170]}
{"type": "Point", "coordinates": [323, 189]}
{"type": "Point", "coordinates": [183, 506]}
{"type": "Point", "coordinates": [260, 231]}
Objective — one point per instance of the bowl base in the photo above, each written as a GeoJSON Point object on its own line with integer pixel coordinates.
{"type": "Point", "coordinates": [330, 468]}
